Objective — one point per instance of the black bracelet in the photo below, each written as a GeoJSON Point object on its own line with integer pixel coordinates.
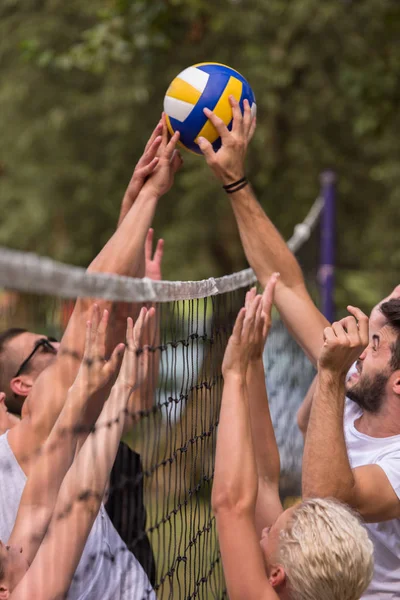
{"type": "Point", "coordinates": [231, 188]}
{"type": "Point", "coordinates": [232, 185]}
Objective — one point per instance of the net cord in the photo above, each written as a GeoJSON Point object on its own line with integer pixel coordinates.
{"type": "Point", "coordinates": [27, 272]}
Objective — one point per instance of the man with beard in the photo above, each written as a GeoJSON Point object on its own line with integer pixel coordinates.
{"type": "Point", "coordinates": [370, 480]}
{"type": "Point", "coordinates": [376, 322]}
{"type": "Point", "coordinates": [352, 449]}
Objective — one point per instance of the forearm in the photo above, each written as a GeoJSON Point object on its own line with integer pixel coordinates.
{"type": "Point", "coordinates": [263, 434]}
{"type": "Point", "coordinates": [91, 468]}
{"type": "Point", "coordinates": [235, 478]}
{"type": "Point", "coordinates": [265, 249]}
{"type": "Point", "coordinates": [267, 253]}
{"type": "Point", "coordinates": [123, 253]}
{"type": "Point", "coordinates": [303, 414]}
{"type": "Point", "coordinates": [326, 467]}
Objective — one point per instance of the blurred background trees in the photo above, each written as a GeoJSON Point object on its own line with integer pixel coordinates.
{"type": "Point", "coordinates": [82, 85]}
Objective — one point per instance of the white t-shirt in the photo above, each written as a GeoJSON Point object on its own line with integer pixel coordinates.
{"type": "Point", "coordinates": [106, 570]}
{"type": "Point", "coordinates": [385, 452]}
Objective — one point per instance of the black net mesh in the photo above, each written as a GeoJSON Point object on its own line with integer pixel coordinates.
{"type": "Point", "coordinates": [160, 486]}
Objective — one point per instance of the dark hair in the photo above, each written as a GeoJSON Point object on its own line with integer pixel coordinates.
{"type": "Point", "coordinates": [391, 312]}
{"type": "Point", "coordinates": [7, 364]}
{"type": "Point", "coordinates": [9, 334]}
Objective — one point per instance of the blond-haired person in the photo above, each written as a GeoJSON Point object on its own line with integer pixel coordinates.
{"type": "Point", "coordinates": [317, 550]}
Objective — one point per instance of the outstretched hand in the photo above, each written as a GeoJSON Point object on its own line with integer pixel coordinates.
{"type": "Point", "coordinates": [135, 364]}
{"type": "Point", "coordinates": [344, 342]}
{"type": "Point", "coordinates": [144, 168]}
{"type": "Point", "coordinates": [267, 302]}
{"type": "Point", "coordinates": [95, 372]}
{"type": "Point", "coordinates": [153, 261]}
{"type": "Point", "coordinates": [228, 162]}
{"type": "Point", "coordinates": [169, 162]}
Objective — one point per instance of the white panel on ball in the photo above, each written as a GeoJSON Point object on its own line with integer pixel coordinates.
{"type": "Point", "coordinates": [177, 109]}
{"type": "Point", "coordinates": [195, 77]}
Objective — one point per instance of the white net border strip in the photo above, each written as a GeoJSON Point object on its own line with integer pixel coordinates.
{"type": "Point", "coordinates": [27, 272]}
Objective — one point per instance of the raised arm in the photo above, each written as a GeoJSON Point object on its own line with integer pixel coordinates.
{"type": "Point", "coordinates": [326, 467]}
{"type": "Point", "coordinates": [264, 247]}
{"type": "Point", "coordinates": [304, 411]}
{"type": "Point", "coordinates": [83, 488]}
{"type": "Point", "coordinates": [268, 506]}
{"type": "Point", "coordinates": [121, 255]}
{"type": "Point", "coordinates": [49, 469]}
{"type": "Point", "coordinates": [235, 488]}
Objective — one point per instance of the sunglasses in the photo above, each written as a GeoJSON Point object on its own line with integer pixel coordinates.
{"type": "Point", "coordinates": [45, 344]}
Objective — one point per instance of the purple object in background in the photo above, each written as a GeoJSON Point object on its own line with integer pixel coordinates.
{"type": "Point", "coordinates": [326, 273]}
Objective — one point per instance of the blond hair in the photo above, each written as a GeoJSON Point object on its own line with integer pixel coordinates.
{"type": "Point", "coordinates": [326, 552]}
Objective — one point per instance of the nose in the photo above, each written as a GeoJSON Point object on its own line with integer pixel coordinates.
{"type": "Point", "coordinates": [363, 354]}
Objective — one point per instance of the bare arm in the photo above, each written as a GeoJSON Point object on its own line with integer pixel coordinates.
{"type": "Point", "coordinates": [49, 469]}
{"type": "Point", "coordinates": [121, 255]}
{"type": "Point", "coordinates": [268, 506]}
{"type": "Point", "coordinates": [326, 467]}
{"type": "Point", "coordinates": [264, 247]}
{"type": "Point", "coordinates": [83, 488]}
{"type": "Point", "coordinates": [303, 414]}
{"type": "Point", "coordinates": [235, 486]}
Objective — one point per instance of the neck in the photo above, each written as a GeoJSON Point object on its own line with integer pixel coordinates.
{"type": "Point", "coordinates": [385, 423]}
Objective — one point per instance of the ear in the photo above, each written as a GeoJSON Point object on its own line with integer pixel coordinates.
{"type": "Point", "coordinates": [277, 576]}
{"type": "Point", "coordinates": [396, 382]}
{"type": "Point", "coordinates": [21, 386]}
{"type": "Point", "coordinates": [4, 591]}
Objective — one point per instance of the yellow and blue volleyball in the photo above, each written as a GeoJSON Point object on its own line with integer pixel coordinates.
{"type": "Point", "coordinates": [205, 85]}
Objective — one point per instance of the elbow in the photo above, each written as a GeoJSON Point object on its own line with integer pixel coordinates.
{"type": "Point", "coordinates": [226, 501]}
{"type": "Point", "coordinates": [302, 422]}
{"type": "Point", "coordinates": [328, 489]}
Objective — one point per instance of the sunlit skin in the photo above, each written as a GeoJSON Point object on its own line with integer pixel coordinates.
{"type": "Point", "coordinates": [19, 349]}
{"type": "Point", "coordinates": [376, 357]}
{"type": "Point", "coordinates": [270, 538]}
{"type": "Point", "coordinates": [13, 563]}
{"type": "Point", "coordinates": [7, 420]}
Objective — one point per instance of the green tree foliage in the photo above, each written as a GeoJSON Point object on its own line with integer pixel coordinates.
{"type": "Point", "coordinates": [82, 86]}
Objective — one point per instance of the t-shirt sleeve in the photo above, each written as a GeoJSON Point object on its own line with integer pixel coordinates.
{"type": "Point", "coordinates": [391, 466]}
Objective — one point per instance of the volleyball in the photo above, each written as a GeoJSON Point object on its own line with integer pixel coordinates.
{"type": "Point", "coordinates": [204, 85]}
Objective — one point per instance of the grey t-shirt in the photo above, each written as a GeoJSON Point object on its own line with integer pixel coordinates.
{"type": "Point", "coordinates": [107, 569]}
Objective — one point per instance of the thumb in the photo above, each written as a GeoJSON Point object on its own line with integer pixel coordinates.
{"type": "Point", "coordinates": [2, 397]}
{"type": "Point", "coordinates": [206, 148]}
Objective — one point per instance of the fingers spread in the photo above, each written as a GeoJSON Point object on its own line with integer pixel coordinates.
{"type": "Point", "coordinates": [218, 124]}
{"type": "Point", "coordinates": [237, 329]}
{"type": "Point", "coordinates": [169, 150]}
{"type": "Point", "coordinates": [206, 149]}
{"type": "Point", "coordinates": [251, 294]}
{"type": "Point", "coordinates": [247, 119]}
{"type": "Point", "coordinates": [157, 131]}
{"type": "Point", "coordinates": [237, 126]}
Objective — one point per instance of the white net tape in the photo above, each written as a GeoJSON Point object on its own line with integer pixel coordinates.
{"type": "Point", "coordinates": [27, 272]}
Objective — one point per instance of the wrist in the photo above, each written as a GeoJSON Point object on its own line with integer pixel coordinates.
{"type": "Point", "coordinates": [332, 376]}
{"type": "Point", "coordinates": [234, 374]}
{"type": "Point", "coordinates": [236, 185]}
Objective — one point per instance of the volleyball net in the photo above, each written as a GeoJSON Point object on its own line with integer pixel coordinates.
{"type": "Point", "coordinates": [175, 435]}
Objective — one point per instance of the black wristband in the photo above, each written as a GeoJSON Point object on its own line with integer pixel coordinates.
{"type": "Point", "coordinates": [237, 186]}
{"type": "Point", "coordinates": [232, 185]}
